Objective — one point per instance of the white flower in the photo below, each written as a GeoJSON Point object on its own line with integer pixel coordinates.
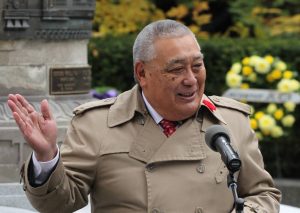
{"type": "Point", "coordinates": [253, 60]}
{"type": "Point", "coordinates": [266, 123]}
{"type": "Point", "coordinates": [233, 80]}
{"type": "Point", "coordinates": [280, 65]}
{"type": "Point", "coordinates": [271, 108]}
{"type": "Point", "coordinates": [276, 132]}
{"type": "Point", "coordinates": [295, 85]}
{"type": "Point", "coordinates": [288, 121]}
{"type": "Point", "coordinates": [262, 66]}
{"type": "Point", "coordinates": [236, 68]}
{"type": "Point", "coordinates": [285, 85]}
{"type": "Point", "coordinates": [289, 106]}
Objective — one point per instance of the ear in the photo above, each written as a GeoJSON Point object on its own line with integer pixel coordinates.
{"type": "Point", "coordinates": [139, 71]}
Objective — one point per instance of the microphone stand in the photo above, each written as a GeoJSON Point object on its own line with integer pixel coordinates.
{"type": "Point", "coordinates": [238, 202]}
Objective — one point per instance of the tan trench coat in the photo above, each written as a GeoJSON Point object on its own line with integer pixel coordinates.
{"type": "Point", "coordinates": [115, 151]}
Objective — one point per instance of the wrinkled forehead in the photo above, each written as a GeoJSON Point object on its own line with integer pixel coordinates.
{"type": "Point", "coordinates": [184, 59]}
{"type": "Point", "coordinates": [178, 48]}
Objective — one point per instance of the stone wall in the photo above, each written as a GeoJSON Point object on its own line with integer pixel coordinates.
{"type": "Point", "coordinates": [25, 68]}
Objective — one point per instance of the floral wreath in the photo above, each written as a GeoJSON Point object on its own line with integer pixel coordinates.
{"type": "Point", "coordinates": [267, 120]}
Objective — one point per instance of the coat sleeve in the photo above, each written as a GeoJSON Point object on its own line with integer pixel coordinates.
{"type": "Point", "coordinates": [68, 186]}
{"type": "Point", "coordinates": [255, 184]}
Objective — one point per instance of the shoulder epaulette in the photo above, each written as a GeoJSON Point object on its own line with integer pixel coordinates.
{"type": "Point", "coordinates": [230, 103]}
{"type": "Point", "coordinates": [93, 104]}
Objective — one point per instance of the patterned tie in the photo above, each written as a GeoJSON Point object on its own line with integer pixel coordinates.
{"type": "Point", "coordinates": [169, 127]}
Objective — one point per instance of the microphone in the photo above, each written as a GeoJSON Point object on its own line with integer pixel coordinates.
{"type": "Point", "coordinates": [217, 138]}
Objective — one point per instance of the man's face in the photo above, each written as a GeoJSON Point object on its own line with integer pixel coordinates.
{"type": "Point", "coordinates": [173, 82]}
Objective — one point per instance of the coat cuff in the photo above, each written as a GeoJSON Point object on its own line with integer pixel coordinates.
{"type": "Point", "coordinates": [52, 183]}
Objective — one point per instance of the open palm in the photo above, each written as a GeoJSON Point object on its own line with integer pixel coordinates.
{"type": "Point", "coordinates": [38, 129]}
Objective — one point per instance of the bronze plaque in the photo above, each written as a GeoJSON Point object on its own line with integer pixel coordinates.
{"type": "Point", "coordinates": [74, 80]}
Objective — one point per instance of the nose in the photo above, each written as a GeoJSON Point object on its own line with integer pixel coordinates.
{"type": "Point", "coordinates": [189, 78]}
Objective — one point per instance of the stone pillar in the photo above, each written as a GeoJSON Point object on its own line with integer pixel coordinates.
{"type": "Point", "coordinates": [43, 54]}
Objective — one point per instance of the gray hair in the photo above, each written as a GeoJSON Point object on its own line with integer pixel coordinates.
{"type": "Point", "coordinates": [143, 48]}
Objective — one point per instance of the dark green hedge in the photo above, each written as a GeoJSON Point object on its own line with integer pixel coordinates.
{"type": "Point", "coordinates": [113, 65]}
{"type": "Point", "coordinates": [111, 61]}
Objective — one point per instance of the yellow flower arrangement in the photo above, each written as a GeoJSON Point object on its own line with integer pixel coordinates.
{"type": "Point", "coordinates": [273, 119]}
{"type": "Point", "coordinates": [270, 120]}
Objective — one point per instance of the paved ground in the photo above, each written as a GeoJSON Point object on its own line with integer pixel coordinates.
{"type": "Point", "coordinates": [283, 209]}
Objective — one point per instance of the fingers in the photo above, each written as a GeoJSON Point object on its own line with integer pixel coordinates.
{"type": "Point", "coordinates": [45, 110]}
{"type": "Point", "coordinates": [25, 124]}
{"type": "Point", "coordinates": [23, 113]}
{"type": "Point", "coordinates": [13, 103]}
{"type": "Point", "coordinates": [20, 104]}
{"type": "Point", "coordinates": [26, 106]}
{"type": "Point", "coordinates": [17, 110]}
{"type": "Point", "coordinates": [20, 122]}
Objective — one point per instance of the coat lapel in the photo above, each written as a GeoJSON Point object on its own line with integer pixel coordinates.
{"type": "Point", "coordinates": [147, 142]}
{"type": "Point", "coordinates": [187, 143]}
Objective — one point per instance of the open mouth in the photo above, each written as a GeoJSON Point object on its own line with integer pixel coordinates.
{"type": "Point", "coordinates": [187, 95]}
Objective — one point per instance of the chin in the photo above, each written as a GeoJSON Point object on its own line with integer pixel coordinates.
{"type": "Point", "coordinates": [185, 114]}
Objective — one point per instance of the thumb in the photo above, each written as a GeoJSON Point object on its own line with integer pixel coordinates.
{"type": "Point", "coordinates": [45, 110]}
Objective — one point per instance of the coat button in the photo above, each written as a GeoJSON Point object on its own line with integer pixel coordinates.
{"type": "Point", "coordinates": [155, 210]}
{"type": "Point", "coordinates": [201, 168]}
{"type": "Point", "coordinates": [199, 210]}
{"type": "Point", "coordinates": [150, 167]}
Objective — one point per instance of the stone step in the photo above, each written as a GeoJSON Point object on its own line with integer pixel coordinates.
{"type": "Point", "coordinates": [12, 195]}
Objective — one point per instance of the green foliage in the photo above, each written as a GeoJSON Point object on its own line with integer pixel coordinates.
{"type": "Point", "coordinates": [111, 58]}
{"type": "Point", "coordinates": [111, 61]}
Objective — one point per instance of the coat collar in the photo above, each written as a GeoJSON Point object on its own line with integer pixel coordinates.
{"type": "Point", "coordinates": [130, 102]}
{"type": "Point", "coordinates": [125, 107]}
{"type": "Point", "coordinates": [208, 104]}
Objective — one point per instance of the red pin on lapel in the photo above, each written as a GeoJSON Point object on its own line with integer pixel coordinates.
{"type": "Point", "coordinates": [209, 105]}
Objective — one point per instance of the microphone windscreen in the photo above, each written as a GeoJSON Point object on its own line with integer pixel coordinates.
{"type": "Point", "coordinates": [212, 133]}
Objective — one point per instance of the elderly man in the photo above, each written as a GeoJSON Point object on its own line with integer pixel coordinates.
{"type": "Point", "coordinates": [145, 151]}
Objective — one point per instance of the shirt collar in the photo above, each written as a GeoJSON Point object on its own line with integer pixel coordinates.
{"type": "Point", "coordinates": [156, 117]}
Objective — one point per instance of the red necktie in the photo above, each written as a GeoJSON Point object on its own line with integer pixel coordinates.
{"type": "Point", "coordinates": [169, 127]}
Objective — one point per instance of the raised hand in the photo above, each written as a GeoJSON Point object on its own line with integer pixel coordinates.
{"type": "Point", "coordinates": [38, 129]}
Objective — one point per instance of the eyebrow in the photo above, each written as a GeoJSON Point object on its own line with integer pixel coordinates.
{"type": "Point", "coordinates": [182, 60]}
